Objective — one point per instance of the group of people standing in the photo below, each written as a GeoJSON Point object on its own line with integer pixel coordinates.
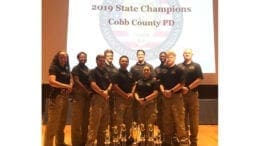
{"type": "Point", "coordinates": [166, 96]}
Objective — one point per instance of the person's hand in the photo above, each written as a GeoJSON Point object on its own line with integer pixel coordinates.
{"type": "Point", "coordinates": [105, 94]}
{"type": "Point", "coordinates": [185, 90]}
{"type": "Point", "coordinates": [69, 88]}
{"type": "Point", "coordinates": [167, 93]}
{"type": "Point", "coordinates": [141, 101]}
{"type": "Point", "coordinates": [130, 96]}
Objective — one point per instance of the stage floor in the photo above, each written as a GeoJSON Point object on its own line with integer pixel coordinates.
{"type": "Point", "coordinates": [208, 135]}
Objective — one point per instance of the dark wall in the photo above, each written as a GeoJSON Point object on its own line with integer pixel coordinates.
{"type": "Point", "coordinates": [208, 91]}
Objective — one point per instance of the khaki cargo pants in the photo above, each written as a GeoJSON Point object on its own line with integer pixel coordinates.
{"type": "Point", "coordinates": [57, 115]}
{"type": "Point", "coordinates": [79, 117]}
{"type": "Point", "coordinates": [98, 120]}
{"type": "Point", "coordinates": [173, 119]}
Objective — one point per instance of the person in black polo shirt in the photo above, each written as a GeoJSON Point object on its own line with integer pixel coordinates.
{"type": "Point", "coordinates": [145, 93]}
{"type": "Point", "coordinates": [99, 106]}
{"type": "Point", "coordinates": [137, 69]}
{"type": "Point", "coordinates": [61, 85]}
{"type": "Point", "coordinates": [158, 69]}
{"type": "Point", "coordinates": [81, 101]}
{"type": "Point", "coordinates": [109, 66]}
{"type": "Point", "coordinates": [137, 72]}
{"type": "Point", "coordinates": [112, 70]}
{"type": "Point", "coordinates": [123, 86]}
{"type": "Point", "coordinates": [193, 76]}
{"type": "Point", "coordinates": [158, 72]}
{"type": "Point", "coordinates": [171, 83]}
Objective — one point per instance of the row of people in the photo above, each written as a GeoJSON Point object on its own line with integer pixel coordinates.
{"type": "Point", "coordinates": [166, 96]}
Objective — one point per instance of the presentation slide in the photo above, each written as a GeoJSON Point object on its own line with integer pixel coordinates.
{"type": "Point", "coordinates": [152, 25]}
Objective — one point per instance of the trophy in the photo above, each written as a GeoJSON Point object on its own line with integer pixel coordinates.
{"type": "Point", "coordinates": [135, 133]}
{"type": "Point", "coordinates": [158, 141]}
{"type": "Point", "coordinates": [107, 136]}
{"type": "Point", "coordinates": [175, 140]}
{"type": "Point", "coordinates": [95, 142]}
{"type": "Point", "coordinates": [142, 137]}
{"type": "Point", "coordinates": [150, 135]}
{"type": "Point", "coordinates": [123, 134]}
{"type": "Point", "coordinates": [115, 136]}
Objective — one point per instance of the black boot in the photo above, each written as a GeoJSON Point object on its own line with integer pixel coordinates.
{"type": "Point", "coordinates": [166, 144]}
{"type": "Point", "coordinates": [62, 144]}
{"type": "Point", "coordinates": [184, 141]}
{"type": "Point", "coordinates": [175, 141]}
{"type": "Point", "coordinates": [193, 144]}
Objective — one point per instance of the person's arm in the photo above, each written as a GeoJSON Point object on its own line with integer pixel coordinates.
{"type": "Point", "coordinates": [194, 84]}
{"type": "Point", "coordinates": [141, 101]}
{"type": "Point", "coordinates": [81, 86]}
{"type": "Point", "coordinates": [71, 83]}
{"type": "Point", "coordinates": [161, 88]}
{"type": "Point", "coordinates": [106, 92]}
{"type": "Point", "coordinates": [71, 80]}
{"type": "Point", "coordinates": [132, 94]}
{"type": "Point", "coordinates": [177, 87]}
{"type": "Point", "coordinates": [165, 92]}
{"type": "Point", "coordinates": [136, 95]}
{"type": "Point", "coordinates": [199, 75]}
{"type": "Point", "coordinates": [98, 90]}
{"type": "Point", "coordinates": [119, 91]}
{"type": "Point", "coordinates": [54, 83]}
{"type": "Point", "coordinates": [109, 87]}
{"type": "Point", "coordinates": [151, 96]}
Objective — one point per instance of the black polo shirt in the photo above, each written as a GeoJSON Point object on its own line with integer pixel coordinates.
{"type": "Point", "coordinates": [62, 73]}
{"type": "Point", "coordinates": [145, 87]}
{"type": "Point", "coordinates": [172, 76]}
{"type": "Point", "coordinates": [124, 80]}
{"type": "Point", "coordinates": [101, 77]}
{"type": "Point", "coordinates": [158, 70]}
{"type": "Point", "coordinates": [111, 69]}
{"type": "Point", "coordinates": [137, 70]}
{"type": "Point", "coordinates": [82, 71]}
{"type": "Point", "coordinates": [192, 72]}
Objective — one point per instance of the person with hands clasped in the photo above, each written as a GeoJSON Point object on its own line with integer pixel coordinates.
{"type": "Point", "coordinates": [80, 103]}
{"type": "Point", "coordinates": [145, 94]}
{"type": "Point", "coordinates": [61, 84]}
{"type": "Point", "coordinates": [99, 106]}
{"type": "Point", "coordinates": [171, 83]}
{"type": "Point", "coordinates": [193, 77]}
{"type": "Point", "coordinates": [123, 86]}
{"type": "Point", "coordinates": [158, 71]}
{"type": "Point", "coordinates": [112, 70]}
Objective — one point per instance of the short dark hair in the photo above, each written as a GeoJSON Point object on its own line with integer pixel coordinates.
{"type": "Point", "coordinates": [108, 51]}
{"type": "Point", "coordinates": [123, 56]}
{"type": "Point", "coordinates": [140, 50]}
{"type": "Point", "coordinates": [100, 56]}
{"type": "Point", "coordinates": [162, 53]}
{"type": "Point", "coordinates": [81, 53]}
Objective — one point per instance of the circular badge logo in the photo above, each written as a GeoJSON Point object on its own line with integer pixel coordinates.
{"type": "Point", "coordinates": [151, 25]}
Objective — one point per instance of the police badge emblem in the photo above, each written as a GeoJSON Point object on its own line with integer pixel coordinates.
{"type": "Point", "coordinates": [151, 25]}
